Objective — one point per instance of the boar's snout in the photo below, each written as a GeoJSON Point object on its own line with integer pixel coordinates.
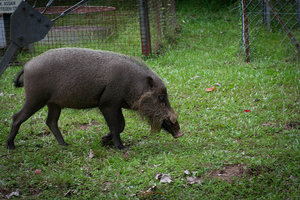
{"type": "Point", "coordinates": [172, 128]}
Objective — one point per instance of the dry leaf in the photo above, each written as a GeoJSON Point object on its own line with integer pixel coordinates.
{"type": "Point", "coordinates": [210, 89]}
{"type": "Point", "coordinates": [38, 172]}
{"type": "Point", "coordinates": [187, 172]}
{"type": "Point", "coordinates": [152, 188]}
{"type": "Point", "coordinates": [16, 193]}
{"type": "Point", "coordinates": [91, 154]}
{"type": "Point", "coordinates": [106, 185]}
{"type": "Point", "coordinates": [163, 178]}
{"type": "Point", "coordinates": [126, 155]}
{"type": "Point", "coordinates": [194, 180]}
{"type": "Point", "coordinates": [158, 176]}
{"type": "Point", "coordinates": [69, 192]}
{"type": "Point", "coordinates": [195, 77]}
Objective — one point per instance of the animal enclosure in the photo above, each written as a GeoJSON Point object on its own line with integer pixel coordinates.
{"type": "Point", "coordinates": [104, 24]}
{"type": "Point", "coordinates": [277, 21]}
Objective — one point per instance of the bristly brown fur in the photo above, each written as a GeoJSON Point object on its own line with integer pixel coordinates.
{"type": "Point", "coordinates": [154, 111]}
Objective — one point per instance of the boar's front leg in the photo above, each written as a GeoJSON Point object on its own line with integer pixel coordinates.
{"type": "Point", "coordinates": [53, 116]}
{"type": "Point", "coordinates": [116, 123]}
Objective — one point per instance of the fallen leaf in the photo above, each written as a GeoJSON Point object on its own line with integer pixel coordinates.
{"type": "Point", "coordinates": [247, 110]}
{"type": "Point", "coordinates": [163, 178]}
{"type": "Point", "coordinates": [195, 77]}
{"type": "Point", "coordinates": [106, 185]}
{"type": "Point", "coordinates": [69, 192]}
{"type": "Point", "coordinates": [151, 188]}
{"type": "Point", "coordinates": [210, 89]}
{"type": "Point", "coordinates": [38, 172]}
{"type": "Point", "coordinates": [157, 165]}
{"type": "Point", "coordinates": [16, 193]}
{"type": "Point", "coordinates": [187, 172]}
{"type": "Point", "coordinates": [166, 178]}
{"type": "Point", "coordinates": [126, 155]}
{"type": "Point", "coordinates": [194, 173]}
{"type": "Point", "coordinates": [134, 195]}
{"type": "Point", "coordinates": [10, 95]}
{"type": "Point", "coordinates": [91, 154]}
{"type": "Point", "coordinates": [194, 180]}
{"type": "Point", "coordinates": [158, 176]}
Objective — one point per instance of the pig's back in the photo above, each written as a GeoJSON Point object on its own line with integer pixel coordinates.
{"type": "Point", "coordinates": [76, 77]}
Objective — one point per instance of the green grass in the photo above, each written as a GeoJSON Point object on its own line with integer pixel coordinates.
{"type": "Point", "coordinates": [262, 143]}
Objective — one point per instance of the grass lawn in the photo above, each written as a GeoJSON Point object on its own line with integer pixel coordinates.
{"type": "Point", "coordinates": [241, 140]}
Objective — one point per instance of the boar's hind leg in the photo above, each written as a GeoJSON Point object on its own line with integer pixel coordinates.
{"type": "Point", "coordinates": [116, 123]}
{"type": "Point", "coordinates": [28, 109]}
{"type": "Point", "coordinates": [53, 115]}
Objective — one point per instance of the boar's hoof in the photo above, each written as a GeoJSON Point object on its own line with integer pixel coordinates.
{"type": "Point", "coordinates": [121, 146]}
{"type": "Point", "coordinates": [10, 145]}
{"type": "Point", "coordinates": [64, 144]}
{"type": "Point", "coordinates": [107, 139]}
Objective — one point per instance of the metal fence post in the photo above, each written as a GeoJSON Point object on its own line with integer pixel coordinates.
{"type": "Point", "coordinates": [266, 15]}
{"type": "Point", "coordinates": [298, 11]}
{"type": "Point", "coordinates": [245, 30]}
{"type": "Point", "coordinates": [144, 27]}
{"type": "Point", "coordinates": [158, 17]}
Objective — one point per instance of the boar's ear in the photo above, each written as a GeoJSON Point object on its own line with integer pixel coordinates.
{"type": "Point", "coordinates": [150, 82]}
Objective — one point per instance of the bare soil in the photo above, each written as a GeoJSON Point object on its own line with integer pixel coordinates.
{"type": "Point", "coordinates": [228, 173]}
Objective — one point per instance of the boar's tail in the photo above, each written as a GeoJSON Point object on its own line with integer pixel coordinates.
{"type": "Point", "coordinates": [17, 81]}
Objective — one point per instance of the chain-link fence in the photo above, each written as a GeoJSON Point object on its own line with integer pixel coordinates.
{"type": "Point", "coordinates": [115, 25]}
{"type": "Point", "coordinates": [269, 26]}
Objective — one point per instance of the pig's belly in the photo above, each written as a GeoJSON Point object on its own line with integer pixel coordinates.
{"type": "Point", "coordinates": [79, 101]}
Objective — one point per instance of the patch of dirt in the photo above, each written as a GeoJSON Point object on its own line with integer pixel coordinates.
{"type": "Point", "coordinates": [292, 125]}
{"type": "Point", "coordinates": [35, 191]}
{"type": "Point", "coordinates": [85, 126]}
{"type": "Point", "coordinates": [228, 173]}
{"type": "Point", "coordinates": [289, 126]}
{"type": "Point", "coordinates": [269, 124]}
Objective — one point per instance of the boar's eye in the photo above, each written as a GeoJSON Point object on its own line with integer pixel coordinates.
{"type": "Point", "coordinates": [162, 98]}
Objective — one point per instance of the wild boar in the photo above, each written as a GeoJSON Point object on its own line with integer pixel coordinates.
{"type": "Point", "coordinates": [84, 78]}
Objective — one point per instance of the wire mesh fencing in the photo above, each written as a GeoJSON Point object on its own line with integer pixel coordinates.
{"type": "Point", "coordinates": [270, 28]}
{"type": "Point", "coordinates": [115, 25]}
